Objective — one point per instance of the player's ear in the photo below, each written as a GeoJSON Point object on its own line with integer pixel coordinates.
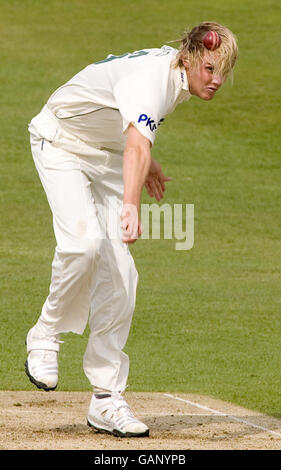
{"type": "Point", "coordinates": [185, 63]}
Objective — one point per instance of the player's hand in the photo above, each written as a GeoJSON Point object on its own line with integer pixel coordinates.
{"type": "Point", "coordinates": [130, 223]}
{"type": "Point", "coordinates": [155, 181]}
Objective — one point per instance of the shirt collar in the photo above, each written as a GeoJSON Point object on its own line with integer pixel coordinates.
{"type": "Point", "coordinates": [181, 84]}
{"type": "Point", "coordinates": [183, 78]}
{"type": "Point", "coordinates": [184, 83]}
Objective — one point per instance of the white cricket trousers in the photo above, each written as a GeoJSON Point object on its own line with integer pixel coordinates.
{"type": "Point", "coordinates": [94, 278]}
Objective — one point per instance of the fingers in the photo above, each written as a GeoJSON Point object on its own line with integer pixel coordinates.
{"type": "Point", "coordinates": [130, 226]}
{"type": "Point", "coordinates": [155, 181]}
{"type": "Point", "coordinates": [156, 187]}
{"type": "Point", "coordinates": [164, 180]}
{"type": "Point", "coordinates": [159, 189]}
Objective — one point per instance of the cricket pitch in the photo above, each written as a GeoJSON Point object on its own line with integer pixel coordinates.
{"type": "Point", "coordinates": [38, 420]}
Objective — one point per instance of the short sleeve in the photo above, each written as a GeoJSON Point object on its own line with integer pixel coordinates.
{"type": "Point", "coordinates": [143, 99]}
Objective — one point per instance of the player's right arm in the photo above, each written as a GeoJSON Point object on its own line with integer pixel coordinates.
{"type": "Point", "coordinates": [139, 169]}
{"type": "Point", "coordinates": [136, 165]}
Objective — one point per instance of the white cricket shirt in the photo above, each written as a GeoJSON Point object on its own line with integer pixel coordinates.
{"type": "Point", "coordinates": [98, 104]}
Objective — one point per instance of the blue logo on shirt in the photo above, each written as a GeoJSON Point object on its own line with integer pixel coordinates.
{"type": "Point", "coordinates": [149, 122]}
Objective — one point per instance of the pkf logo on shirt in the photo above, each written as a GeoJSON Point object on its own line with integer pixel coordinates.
{"type": "Point", "coordinates": [149, 122]}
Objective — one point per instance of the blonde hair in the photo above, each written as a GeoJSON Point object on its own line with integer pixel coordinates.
{"type": "Point", "coordinates": [193, 50]}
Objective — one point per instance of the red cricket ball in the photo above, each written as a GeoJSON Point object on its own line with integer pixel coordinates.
{"type": "Point", "coordinates": [211, 40]}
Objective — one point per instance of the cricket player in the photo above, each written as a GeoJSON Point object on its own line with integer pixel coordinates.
{"type": "Point", "coordinates": [91, 145]}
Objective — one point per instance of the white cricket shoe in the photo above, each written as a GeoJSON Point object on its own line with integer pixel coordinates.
{"type": "Point", "coordinates": [112, 415]}
{"type": "Point", "coordinates": [41, 365]}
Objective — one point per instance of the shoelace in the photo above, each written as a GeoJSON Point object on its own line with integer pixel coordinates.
{"type": "Point", "coordinates": [118, 401]}
{"type": "Point", "coordinates": [120, 405]}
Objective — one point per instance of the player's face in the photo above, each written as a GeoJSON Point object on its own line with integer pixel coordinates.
{"type": "Point", "coordinates": [203, 81]}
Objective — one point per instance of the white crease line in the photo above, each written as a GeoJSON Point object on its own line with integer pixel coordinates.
{"type": "Point", "coordinates": [244, 421]}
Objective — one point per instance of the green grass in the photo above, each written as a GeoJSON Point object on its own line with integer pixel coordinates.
{"type": "Point", "coordinates": [207, 320]}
